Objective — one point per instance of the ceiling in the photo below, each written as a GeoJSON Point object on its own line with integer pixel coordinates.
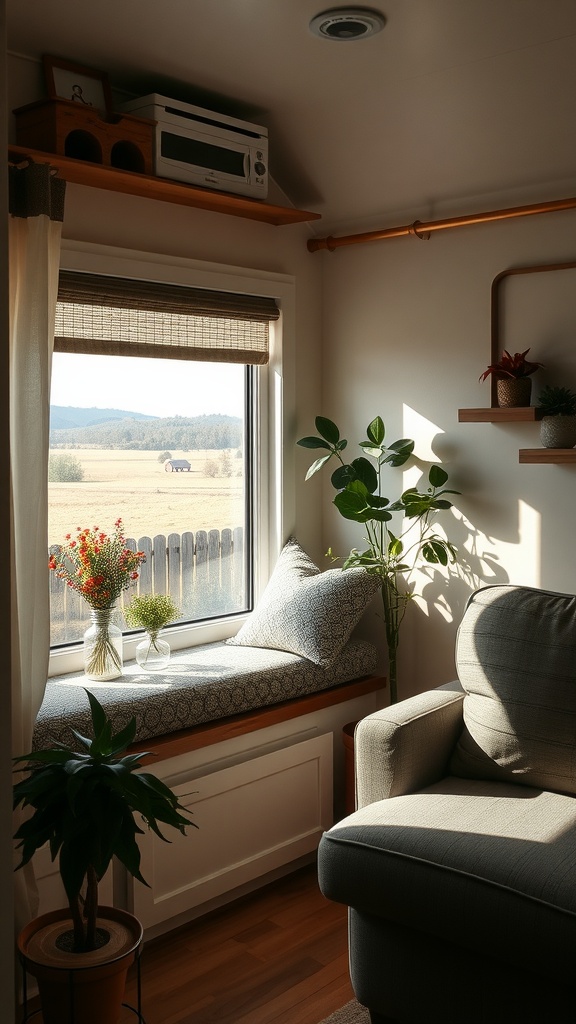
{"type": "Point", "coordinates": [453, 99]}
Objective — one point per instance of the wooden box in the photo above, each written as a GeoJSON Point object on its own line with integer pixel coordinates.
{"type": "Point", "coordinates": [84, 133]}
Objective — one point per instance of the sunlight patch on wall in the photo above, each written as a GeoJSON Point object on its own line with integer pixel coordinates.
{"type": "Point", "coordinates": [427, 582]}
{"type": "Point", "coordinates": [423, 432]}
{"type": "Point", "coordinates": [529, 546]}
{"type": "Point", "coordinates": [487, 560]}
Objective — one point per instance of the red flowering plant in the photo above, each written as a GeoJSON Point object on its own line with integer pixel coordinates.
{"type": "Point", "coordinates": [511, 366]}
{"type": "Point", "coordinates": [97, 565]}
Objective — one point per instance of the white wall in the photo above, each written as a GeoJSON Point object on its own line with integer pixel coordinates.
{"type": "Point", "coordinates": [406, 331]}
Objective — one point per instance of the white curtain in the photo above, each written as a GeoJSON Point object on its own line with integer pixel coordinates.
{"type": "Point", "coordinates": [36, 212]}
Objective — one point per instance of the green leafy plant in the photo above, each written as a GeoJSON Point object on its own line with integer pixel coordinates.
{"type": "Point", "coordinates": [151, 612]}
{"type": "Point", "coordinates": [556, 401]}
{"type": "Point", "coordinates": [511, 366]}
{"type": "Point", "coordinates": [84, 804]}
{"type": "Point", "coordinates": [390, 556]}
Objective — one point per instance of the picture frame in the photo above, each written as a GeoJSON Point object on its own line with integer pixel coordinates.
{"type": "Point", "coordinates": [66, 80]}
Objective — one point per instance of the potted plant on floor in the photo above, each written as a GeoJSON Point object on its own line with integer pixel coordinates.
{"type": "Point", "coordinates": [512, 374]}
{"type": "Point", "coordinates": [84, 804]}
{"type": "Point", "coordinates": [557, 408]}
{"type": "Point", "coordinates": [359, 499]}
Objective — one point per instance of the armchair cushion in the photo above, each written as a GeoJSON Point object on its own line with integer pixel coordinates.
{"type": "Point", "coordinates": [487, 865]}
{"type": "Point", "coordinates": [516, 660]}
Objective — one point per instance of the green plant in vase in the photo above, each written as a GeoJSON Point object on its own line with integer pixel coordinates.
{"type": "Point", "coordinates": [152, 612]}
{"type": "Point", "coordinates": [390, 556]}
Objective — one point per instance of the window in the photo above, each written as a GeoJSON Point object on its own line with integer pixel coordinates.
{"type": "Point", "coordinates": [169, 444]}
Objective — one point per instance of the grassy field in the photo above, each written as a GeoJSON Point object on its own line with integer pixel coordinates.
{"type": "Point", "coordinates": [135, 486]}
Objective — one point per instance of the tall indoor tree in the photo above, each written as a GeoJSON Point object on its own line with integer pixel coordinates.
{"type": "Point", "coordinates": [392, 556]}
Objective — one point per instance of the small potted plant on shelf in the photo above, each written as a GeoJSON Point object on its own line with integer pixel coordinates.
{"type": "Point", "coordinates": [84, 803]}
{"type": "Point", "coordinates": [557, 409]}
{"type": "Point", "coordinates": [512, 374]}
{"type": "Point", "coordinates": [152, 612]}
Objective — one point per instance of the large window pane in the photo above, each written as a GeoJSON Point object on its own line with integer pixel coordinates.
{"type": "Point", "coordinates": [161, 444]}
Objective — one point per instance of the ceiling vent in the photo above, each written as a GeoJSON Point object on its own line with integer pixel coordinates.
{"type": "Point", "coordinates": [345, 24]}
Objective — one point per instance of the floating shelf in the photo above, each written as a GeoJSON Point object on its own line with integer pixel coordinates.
{"type": "Point", "coordinates": [80, 172]}
{"type": "Point", "coordinates": [550, 456]}
{"type": "Point", "coordinates": [508, 414]}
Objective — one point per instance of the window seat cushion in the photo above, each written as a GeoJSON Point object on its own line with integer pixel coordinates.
{"type": "Point", "coordinates": [201, 684]}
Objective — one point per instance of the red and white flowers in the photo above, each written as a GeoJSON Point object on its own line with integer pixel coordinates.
{"type": "Point", "coordinates": [97, 565]}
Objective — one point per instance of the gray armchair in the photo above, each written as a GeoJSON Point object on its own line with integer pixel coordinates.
{"type": "Point", "coordinates": [459, 865]}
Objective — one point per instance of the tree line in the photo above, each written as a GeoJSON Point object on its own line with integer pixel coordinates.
{"type": "Point", "coordinates": [179, 432]}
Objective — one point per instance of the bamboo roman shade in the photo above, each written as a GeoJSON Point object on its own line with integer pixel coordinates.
{"type": "Point", "coordinates": [118, 316]}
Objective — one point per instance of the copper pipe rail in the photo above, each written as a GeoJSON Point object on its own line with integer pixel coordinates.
{"type": "Point", "coordinates": [422, 229]}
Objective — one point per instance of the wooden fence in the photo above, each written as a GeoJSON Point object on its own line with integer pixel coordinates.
{"type": "Point", "coordinates": [204, 573]}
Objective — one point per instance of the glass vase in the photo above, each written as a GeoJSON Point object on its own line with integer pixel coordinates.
{"type": "Point", "coordinates": [102, 646]}
{"type": "Point", "coordinates": [153, 653]}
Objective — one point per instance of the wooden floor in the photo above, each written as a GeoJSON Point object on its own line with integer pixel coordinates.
{"type": "Point", "coordinates": [278, 955]}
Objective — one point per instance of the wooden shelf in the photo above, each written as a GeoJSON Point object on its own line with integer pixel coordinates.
{"type": "Point", "coordinates": [550, 456]}
{"type": "Point", "coordinates": [80, 172]}
{"type": "Point", "coordinates": [508, 414]}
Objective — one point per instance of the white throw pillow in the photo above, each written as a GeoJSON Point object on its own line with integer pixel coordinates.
{"type": "Point", "coordinates": [306, 611]}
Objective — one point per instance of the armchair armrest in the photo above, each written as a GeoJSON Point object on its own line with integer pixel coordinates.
{"type": "Point", "coordinates": [406, 746]}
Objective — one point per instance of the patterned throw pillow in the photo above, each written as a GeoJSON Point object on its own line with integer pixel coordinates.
{"type": "Point", "coordinates": [306, 611]}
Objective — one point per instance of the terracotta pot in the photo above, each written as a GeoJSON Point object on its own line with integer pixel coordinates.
{"type": "Point", "coordinates": [558, 431]}
{"type": "Point", "coordinates": [80, 988]}
{"type": "Point", "coordinates": [513, 391]}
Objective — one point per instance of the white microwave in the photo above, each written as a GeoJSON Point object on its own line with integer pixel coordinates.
{"type": "Point", "coordinates": [205, 148]}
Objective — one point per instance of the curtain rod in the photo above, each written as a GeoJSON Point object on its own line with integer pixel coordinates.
{"type": "Point", "coordinates": [422, 229]}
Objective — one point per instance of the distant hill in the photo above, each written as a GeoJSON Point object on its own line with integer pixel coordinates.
{"type": "Point", "coordinates": [147, 433]}
{"type": "Point", "coordinates": [63, 417]}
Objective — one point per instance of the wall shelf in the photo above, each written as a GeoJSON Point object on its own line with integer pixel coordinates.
{"type": "Point", "coordinates": [548, 456]}
{"type": "Point", "coordinates": [534, 456]}
{"type": "Point", "coordinates": [80, 172]}
{"type": "Point", "coordinates": [508, 414]}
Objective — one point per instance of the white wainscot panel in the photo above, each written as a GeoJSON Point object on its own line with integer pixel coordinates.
{"type": "Point", "coordinates": [252, 817]}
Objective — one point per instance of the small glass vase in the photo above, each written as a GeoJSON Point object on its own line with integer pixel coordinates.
{"type": "Point", "coordinates": [153, 653]}
{"type": "Point", "coordinates": [102, 646]}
